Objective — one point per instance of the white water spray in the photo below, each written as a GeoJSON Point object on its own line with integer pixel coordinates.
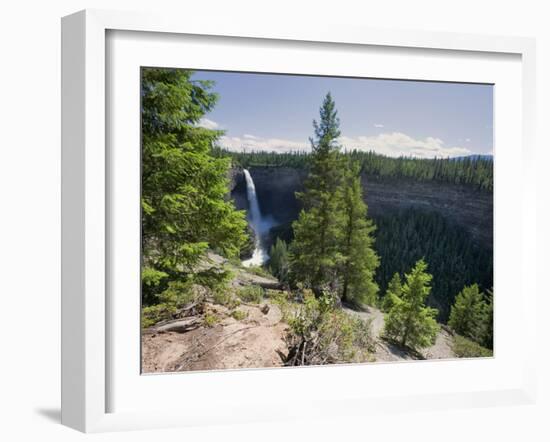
{"type": "Point", "coordinates": [258, 224]}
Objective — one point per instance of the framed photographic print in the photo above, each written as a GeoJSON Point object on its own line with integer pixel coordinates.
{"type": "Point", "coordinates": [248, 212]}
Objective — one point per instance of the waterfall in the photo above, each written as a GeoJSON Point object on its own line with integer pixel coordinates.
{"type": "Point", "coordinates": [258, 224]}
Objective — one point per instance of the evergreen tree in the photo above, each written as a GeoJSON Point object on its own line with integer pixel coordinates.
{"type": "Point", "coordinates": [315, 250]}
{"type": "Point", "coordinates": [278, 261]}
{"type": "Point", "coordinates": [359, 258]}
{"type": "Point", "coordinates": [184, 207]}
{"type": "Point", "coordinates": [394, 290]}
{"type": "Point", "coordinates": [488, 338]}
{"type": "Point", "coordinates": [469, 314]}
{"type": "Point", "coordinates": [409, 321]}
{"type": "Point", "coordinates": [456, 258]}
{"type": "Point", "coordinates": [474, 171]}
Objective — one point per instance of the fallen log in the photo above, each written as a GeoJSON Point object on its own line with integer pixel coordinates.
{"type": "Point", "coordinates": [272, 285]}
{"type": "Point", "coordinates": [180, 325]}
{"type": "Point", "coordinates": [190, 310]}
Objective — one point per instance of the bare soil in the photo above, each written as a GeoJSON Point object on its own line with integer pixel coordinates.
{"type": "Point", "coordinates": [254, 342]}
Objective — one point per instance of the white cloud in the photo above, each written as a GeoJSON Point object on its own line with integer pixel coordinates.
{"type": "Point", "coordinates": [378, 125]}
{"type": "Point", "coordinates": [208, 124]}
{"type": "Point", "coordinates": [252, 142]}
{"type": "Point", "coordinates": [397, 144]}
{"type": "Point", "coordinates": [392, 144]}
{"type": "Point", "coordinates": [468, 140]}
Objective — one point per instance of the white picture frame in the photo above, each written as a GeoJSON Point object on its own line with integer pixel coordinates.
{"type": "Point", "coordinates": [87, 319]}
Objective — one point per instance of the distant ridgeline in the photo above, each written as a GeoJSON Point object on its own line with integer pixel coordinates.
{"type": "Point", "coordinates": [437, 209]}
{"type": "Point", "coordinates": [475, 170]}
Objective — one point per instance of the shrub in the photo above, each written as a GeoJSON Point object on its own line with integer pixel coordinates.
{"type": "Point", "coordinates": [151, 277]}
{"type": "Point", "coordinates": [214, 278]}
{"type": "Point", "coordinates": [251, 293]}
{"type": "Point", "coordinates": [235, 261]}
{"type": "Point", "coordinates": [225, 298]}
{"type": "Point", "coordinates": [177, 295]}
{"type": "Point", "coordinates": [239, 315]}
{"type": "Point", "coordinates": [321, 334]}
{"type": "Point", "coordinates": [152, 282]}
{"type": "Point", "coordinates": [210, 319]}
{"type": "Point", "coordinates": [259, 271]}
{"type": "Point", "coordinates": [152, 314]}
{"type": "Point", "coordinates": [470, 314]}
{"type": "Point", "coordinates": [488, 339]}
{"type": "Point", "coordinates": [466, 348]}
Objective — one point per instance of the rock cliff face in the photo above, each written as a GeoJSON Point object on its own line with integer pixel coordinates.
{"type": "Point", "coordinates": [468, 207]}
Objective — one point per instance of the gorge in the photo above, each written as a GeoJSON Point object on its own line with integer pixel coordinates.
{"type": "Point", "coordinates": [468, 207]}
{"type": "Point", "coordinates": [451, 225]}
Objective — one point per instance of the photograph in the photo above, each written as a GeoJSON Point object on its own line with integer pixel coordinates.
{"type": "Point", "coordinates": [302, 220]}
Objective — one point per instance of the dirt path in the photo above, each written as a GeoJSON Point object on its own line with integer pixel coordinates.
{"type": "Point", "coordinates": [442, 349]}
{"type": "Point", "coordinates": [385, 351]}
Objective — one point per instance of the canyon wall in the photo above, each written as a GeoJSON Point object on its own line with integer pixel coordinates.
{"type": "Point", "coordinates": [461, 204]}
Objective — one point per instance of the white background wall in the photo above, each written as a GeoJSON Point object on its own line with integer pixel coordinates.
{"type": "Point", "coordinates": [30, 214]}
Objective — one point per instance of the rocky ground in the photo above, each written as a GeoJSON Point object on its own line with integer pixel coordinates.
{"type": "Point", "coordinates": [256, 341]}
{"type": "Point", "coordinates": [252, 338]}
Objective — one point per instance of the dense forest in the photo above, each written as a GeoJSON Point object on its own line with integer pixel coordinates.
{"type": "Point", "coordinates": [404, 237]}
{"type": "Point", "coordinates": [416, 266]}
{"type": "Point", "coordinates": [454, 259]}
{"type": "Point", "coordinates": [475, 171]}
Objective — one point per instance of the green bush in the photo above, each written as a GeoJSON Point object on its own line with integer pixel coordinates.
{"type": "Point", "coordinates": [466, 348]}
{"type": "Point", "coordinates": [210, 319]}
{"type": "Point", "coordinates": [321, 334]}
{"type": "Point", "coordinates": [278, 295]}
{"type": "Point", "coordinates": [177, 295]}
{"type": "Point", "coordinates": [469, 314]}
{"type": "Point", "coordinates": [225, 298]}
{"type": "Point", "coordinates": [239, 315]}
{"type": "Point", "coordinates": [235, 261]}
{"type": "Point", "coordinates": [152, 314]}
{"type": "Point", "coordinates": [259, 271]}
{"type": "Point", "coordinates": [251, 293]}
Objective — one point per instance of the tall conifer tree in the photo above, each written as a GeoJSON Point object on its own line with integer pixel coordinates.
{"type": "Point", "coordinates": [315, 249]}
{"type": "Point", "coordinates": [359, 260]}
{"type": "Point", "coordinates": [184, 207]}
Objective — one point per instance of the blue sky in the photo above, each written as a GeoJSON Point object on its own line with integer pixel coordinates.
{"type": "Point", "coordinates": [421, 119]}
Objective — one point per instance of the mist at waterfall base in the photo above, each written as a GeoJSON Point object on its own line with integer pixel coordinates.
{"type": "Point", "coordinates": [260, 224]}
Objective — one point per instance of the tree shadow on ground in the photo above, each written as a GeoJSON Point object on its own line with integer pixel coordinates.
{"type": "Point", "coordinates": [400, 351]}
